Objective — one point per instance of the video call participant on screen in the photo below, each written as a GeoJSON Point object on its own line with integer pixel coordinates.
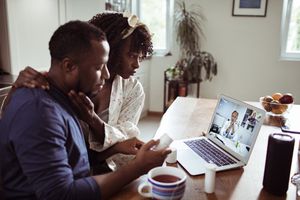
{"type": "Point", "coordinates": [252, 121]}
{"type": "Point", "coordinates": [230, 127]}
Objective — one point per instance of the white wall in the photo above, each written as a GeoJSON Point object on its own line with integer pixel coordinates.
{"type": "Point", "coordinates": [247, 50]}
{"type": "Point", "coordinates": [83, 10]}
{"type": "Point", "coordinates": [31, 23]}
{"type": "Point", "coordinates": [30, 28]}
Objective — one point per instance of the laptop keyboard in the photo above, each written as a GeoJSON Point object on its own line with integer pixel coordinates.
{"type": "Point", "coordinates": [209, 152]}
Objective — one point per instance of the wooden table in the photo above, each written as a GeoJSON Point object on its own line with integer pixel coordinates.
{"type": "Point", "coordinates": [190, 117]}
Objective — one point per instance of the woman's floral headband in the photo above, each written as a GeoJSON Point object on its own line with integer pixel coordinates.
{"type": "Point", "coordinates": [133, 22]}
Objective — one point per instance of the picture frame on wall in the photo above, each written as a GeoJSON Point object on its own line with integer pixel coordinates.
{"type": "Point", "coordinates": [250, 8]}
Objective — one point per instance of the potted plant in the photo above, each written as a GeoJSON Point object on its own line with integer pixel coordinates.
{"type": "Point", "coordinates": [198, 65]}
{"type": "Point", "coordinates": [174, 73]}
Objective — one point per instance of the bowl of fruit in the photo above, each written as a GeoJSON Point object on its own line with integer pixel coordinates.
{"type": "Point", "coordinates": [277, 104]}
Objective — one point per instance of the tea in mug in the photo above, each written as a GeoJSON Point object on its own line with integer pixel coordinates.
{"type": "Point", "coordinates": [166, 178]}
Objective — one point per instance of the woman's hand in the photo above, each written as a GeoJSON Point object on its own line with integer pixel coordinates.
{"type": "Point", "coordinates": [28, 77]}
{"type": "Point", "coordinates": [128, 147]}
{"type": "Point", "coordinates": [31, 78]}
{"type": "Point", "coordinates": [84, 106]}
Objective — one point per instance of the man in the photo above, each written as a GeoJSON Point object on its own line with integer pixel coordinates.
{"type": "Point", "coordinates": [42, 149]}
{"type": "Point", "coordinates": [230, 127]}
{"type": "Point", "coordinates": [252, 121]}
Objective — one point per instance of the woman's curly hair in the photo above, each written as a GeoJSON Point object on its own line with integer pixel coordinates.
{"type": "Point", "coordinates": [113, 24]}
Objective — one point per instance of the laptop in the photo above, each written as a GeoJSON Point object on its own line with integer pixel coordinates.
{"type": "Point", "coordinates": [229, 140]}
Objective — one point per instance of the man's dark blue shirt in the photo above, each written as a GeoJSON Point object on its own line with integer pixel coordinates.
{"type": "Point", "coordinates": [42, 149]}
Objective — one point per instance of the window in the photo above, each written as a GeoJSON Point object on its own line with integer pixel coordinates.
{"type": "Point", "coordinates": [117, 5]}
{"type": "Point", "coordinates": [158, 16]}
{"type": "Point", "coordinates": [290, 30]}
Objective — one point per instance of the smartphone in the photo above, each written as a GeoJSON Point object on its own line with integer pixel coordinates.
{"type": "Point", "coordinates": [291, 126]}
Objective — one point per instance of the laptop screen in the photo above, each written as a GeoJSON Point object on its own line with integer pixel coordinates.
{"type": "Point", "coordinates": [235, 126]}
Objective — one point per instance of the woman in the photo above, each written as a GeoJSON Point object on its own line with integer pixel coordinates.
{"type": "Point", "coordinates": [122, 98]}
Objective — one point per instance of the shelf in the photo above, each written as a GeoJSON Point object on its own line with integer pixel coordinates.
{"type": "Point", "coordinates": [174, 88]}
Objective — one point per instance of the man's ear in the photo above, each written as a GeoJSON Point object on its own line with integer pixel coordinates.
{"type": "Point", "coordinates": [70, 71]}
{"type": "Point", "coordinates": [68, 65]}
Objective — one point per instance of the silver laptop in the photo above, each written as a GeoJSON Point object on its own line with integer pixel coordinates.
{"type": "Point", "coordinates": [229, 140]}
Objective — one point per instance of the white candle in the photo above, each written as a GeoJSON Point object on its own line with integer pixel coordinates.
{"type": "Point", "coordinates": [210, 176]}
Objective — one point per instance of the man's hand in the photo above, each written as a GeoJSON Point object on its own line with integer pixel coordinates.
{"type": "Point", "coordinates": [31, 78]}
{"type": "Point", "coordinates": [128, 147]}
{"type": "Point", "coordinates": [147, 158]}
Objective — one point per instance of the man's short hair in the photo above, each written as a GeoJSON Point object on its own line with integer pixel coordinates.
{"type": "Point", "coordinates": [73, 39]}
{"type": "Point", "coordinates": [235, 112]}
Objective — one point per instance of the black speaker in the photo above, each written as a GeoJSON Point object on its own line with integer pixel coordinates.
{"type": "Point", "coordinates": [278, 163]}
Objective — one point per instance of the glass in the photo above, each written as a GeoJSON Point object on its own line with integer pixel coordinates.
{"type": "Point", "coordinates": [296, 181]}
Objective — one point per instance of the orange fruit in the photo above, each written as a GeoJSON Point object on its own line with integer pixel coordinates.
{"type": "Point", "coordinates": [277, 111]}
{"type": "Point", "coordinates": [277, 96]}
